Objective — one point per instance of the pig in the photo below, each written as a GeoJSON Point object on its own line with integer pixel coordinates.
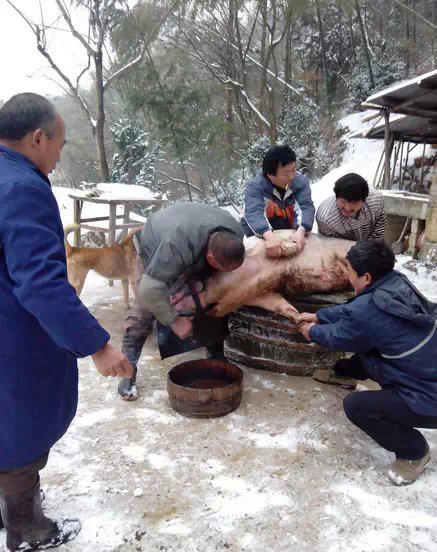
{"type": "Point", "coordinates": [262, 281]}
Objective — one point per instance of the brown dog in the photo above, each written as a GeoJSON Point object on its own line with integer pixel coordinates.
{"type": "Point", "coordinates": [116, 262]}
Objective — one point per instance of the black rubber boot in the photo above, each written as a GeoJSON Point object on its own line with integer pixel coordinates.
{"type": "Point", "coordinates": [1, 519]}
{"type": "Point", "coordinates": [216, 351]}
{"type": "Point", "coordinates": [27, 528]}
{"type": "Point", "coordinates": [127, 388]}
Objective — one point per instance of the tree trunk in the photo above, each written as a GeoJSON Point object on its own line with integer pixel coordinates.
{"type": "Point", "coordinates": [352, 38]}
{"type": "Point", "coordinates": [288, 55]}
{"type": "Point", "coordinates": [407, 32]}
{"type": "Point", "coordinates": [434, 21]}
{"type": "Point", "coordinates": [365, 44]}
{"type": "Point", "coordinates": [273, 130]}
{"type": "Point", "coordinates": [228, 115]}
{"type": "Point", "coordinates": [264, 62]}
{"type": "Point", "coordinates": [324, 57]}
{"type": "Point", "coordinates": [100, 123]}
{"type": "Point", "coordinates": [413, 45]}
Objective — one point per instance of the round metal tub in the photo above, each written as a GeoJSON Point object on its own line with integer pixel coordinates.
{"type": "Point", "coordinates": [264, 340]}
{"type": "Point", "coordinates": [205, 388]}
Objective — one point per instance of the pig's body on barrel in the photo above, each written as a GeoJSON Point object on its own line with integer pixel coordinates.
{"type": "Point", "coordinates": [261, 281]}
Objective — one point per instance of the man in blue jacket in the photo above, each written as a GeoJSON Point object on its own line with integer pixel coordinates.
{"type": "Point", "coordinates": [44, 327]}
{"type": "Point", "coordinates": [270, 201]}
{"type": "Point", "coordinates": [392, 329]}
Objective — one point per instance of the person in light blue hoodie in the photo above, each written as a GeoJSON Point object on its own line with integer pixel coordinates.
{"type": "Point", "coordinates": [270, 201]}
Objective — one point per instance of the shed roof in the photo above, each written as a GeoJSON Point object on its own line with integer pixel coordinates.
{"type": "Point", "coordinates": [417, 97]}
{"type": "Point", "coordinates": [404, 127]}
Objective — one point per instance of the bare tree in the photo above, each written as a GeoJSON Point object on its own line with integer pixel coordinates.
{"type": "Point", "coordinates": [100, 15]}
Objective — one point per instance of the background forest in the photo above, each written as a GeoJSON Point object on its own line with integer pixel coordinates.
{"type": "Point", "coordinates": [187, 96]}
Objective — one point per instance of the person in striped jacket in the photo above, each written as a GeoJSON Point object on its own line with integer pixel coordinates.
{"type": "Point", "coordinates": [354, 213]}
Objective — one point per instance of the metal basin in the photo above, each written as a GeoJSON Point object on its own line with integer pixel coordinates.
{"type": "Point", "coordinates": [205, 388]}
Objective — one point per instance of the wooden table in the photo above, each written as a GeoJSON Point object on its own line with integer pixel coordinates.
{"type": "Point", "coordinates": [113, 200]}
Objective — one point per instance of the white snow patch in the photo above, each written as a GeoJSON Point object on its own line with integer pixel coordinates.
{"type": "Point", "coordinates": [148, 413]}
{"type": "Point", "coordinates": [422, 276]}
{"type": "Point", "coordinates": [375, 506]}
{"type": "Point", "coordinates": [94, 417]}
{"type": "Point", "coordinates": [237, 498]}
{"type": "Point", "coordinates": [159, 461]}
{"type": "Point", "coordinates": [175, 527]}
{"type": "Point", "coordinates": [135, 452]}
{"type": "Point", "coordinates": [289, 440]}
{"type": "Point", "coordinates": [247, 540]}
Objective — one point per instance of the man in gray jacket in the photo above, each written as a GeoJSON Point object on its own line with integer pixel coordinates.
{"type": "Point", "coordinates": [180, 245]}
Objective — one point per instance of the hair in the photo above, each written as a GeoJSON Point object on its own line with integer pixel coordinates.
{"type": "Point", "coordinates": [24, 113]}
{"type": "Point", "coordinates": [351, 187]}
{"type": "Point", "coordinates": [374, 257]}
{"type": "Point", "coordinates": [227, 247]}
{"type": "Point", "coordinates": [276, 157]}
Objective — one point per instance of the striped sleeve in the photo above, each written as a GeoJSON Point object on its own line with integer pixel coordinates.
{"type": "Point", "coordinates": [379, 217]}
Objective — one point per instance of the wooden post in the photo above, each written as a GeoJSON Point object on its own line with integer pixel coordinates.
{"type": "Point", "coordinates": [395, 161]}
{"type": "Point", "coordinates": [77, 213]}
{"type": "Point", "coordinates": [375, 178]}
{"type": "Point", "coordinates": [387, 150]}
{"type": "Point", "coordinates": [429, 250]}
{"type": "Point", "coordinates": [125, 283]}
{"type": "Point", "coordinates": [112, 223]}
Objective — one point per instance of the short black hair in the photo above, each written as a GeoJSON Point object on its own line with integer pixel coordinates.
{"type": "Point", "coordinates": [276, 157]}
{"type": "Point", "coordinates": [24, 113]}
{"type": "Point", "coordinates": [226, 247]}
{"type": "Point", "coordinates": [351, 187]}
{"type": "Point", "coordinates": [374, 257]}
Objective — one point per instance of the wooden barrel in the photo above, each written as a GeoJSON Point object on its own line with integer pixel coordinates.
{"type": "Point", "coordinates": [205, 388]}
{"type": "Point", "coordinates": [264, 340]}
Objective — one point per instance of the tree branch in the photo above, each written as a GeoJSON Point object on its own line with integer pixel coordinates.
{"type": "Point", "coordinates": [179, 181]}
{"type": "Point", "coordinates": [120, 72]}
{"type": "Point", "coordinates": [77, 35]}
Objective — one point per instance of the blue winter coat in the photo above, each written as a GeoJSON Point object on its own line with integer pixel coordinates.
{"type": "Point", "coordinates": [43, 324]}
{"type": "Point", "coordinates": [264, 209]}
{"type": "Point", "coordinates": [393, 328]}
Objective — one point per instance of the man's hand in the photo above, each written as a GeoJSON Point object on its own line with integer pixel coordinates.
{"type": "Point", "coordinates": [273, 245]}
{"type": "Point", "coordinates": [307, 317]}
{"type": "Point", "coordinates": [305, 330]}
{"type": "Point", "coordinates": [183, 327]}
{"type": "Point", "coordinates": [299, 238]}
{"type": "Point", "coordinates": [110, 362]}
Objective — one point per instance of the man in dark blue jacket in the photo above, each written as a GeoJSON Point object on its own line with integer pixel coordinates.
{"type": "Point", "coordinates": [270, 201]}
{"type": "Point", "coordinates": [44, 327]}
{"type": "Point", "coordinates": [392, 329]}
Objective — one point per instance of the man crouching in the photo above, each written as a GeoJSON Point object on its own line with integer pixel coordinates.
{"type": "Point", "coordinates": [392, 329]}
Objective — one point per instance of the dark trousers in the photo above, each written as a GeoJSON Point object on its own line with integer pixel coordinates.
{"type": "Point", "coordinates": [17, 481]}
{"type": "Point", "coordinates": [384, 415]}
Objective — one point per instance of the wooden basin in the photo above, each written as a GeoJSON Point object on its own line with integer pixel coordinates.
{"type": "Point", "coordinates": [205, 388]}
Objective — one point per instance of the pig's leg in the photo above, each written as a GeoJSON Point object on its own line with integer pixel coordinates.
{"type": "Point", "coordinates": [275, 302]}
